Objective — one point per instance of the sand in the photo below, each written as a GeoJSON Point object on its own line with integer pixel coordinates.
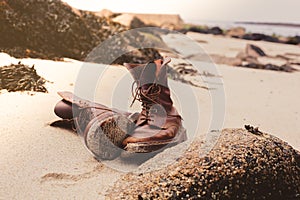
{"type": "Point", "coordinates": [43, 162]}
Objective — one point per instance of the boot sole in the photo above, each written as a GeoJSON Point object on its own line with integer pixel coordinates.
{"type": "Point", "coordinates": [147, 147]}
{"type": "Point", "coordinates": [104, 138]}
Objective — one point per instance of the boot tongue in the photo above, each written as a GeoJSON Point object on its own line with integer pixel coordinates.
{"type": "Point", "coordinates": [153, 73]}
{"type": "Point", "coordinates": [148, 75]}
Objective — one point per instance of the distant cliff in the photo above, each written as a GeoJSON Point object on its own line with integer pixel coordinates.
{"type": "Point", "coordinates": [170, 21]}
{"type": "Point", "coordinates": [161, 20]}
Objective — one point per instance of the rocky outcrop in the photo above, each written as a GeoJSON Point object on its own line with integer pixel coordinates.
{"type": "Point", "coordinates": [206, 30]}
{"type": "Point", "coordinates": [240, 32]}
{"type": "Point", "coordinates": [293, 40]}
{"type": "Point", "coordinates": [236, 32]}
{"type": "Point", "coordinates": [273, 67]}
{"type": "Point", "coordinates": [254, 51]}
{"type": "Point", "coordinates": [104, 13]}
{"type": "Point", "coordinates": [251, 56]}
{"type": "Point", "coordinates": [160, 20]}
{"type": "Point", "coordinates": [242, 165]}
{"type": "Point", "coordinates": [259, 36]}
{"type": "Point", "coordinates": [129, 20]}
{"type": "Point", "coordinates": [250, 59]}
{"type": "Point", "coordinates": [51, 29]}
{"type": "Point", "coordinates": [251, 53]}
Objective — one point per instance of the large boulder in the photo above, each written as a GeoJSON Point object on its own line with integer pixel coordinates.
{"type": "Point", "coordinates": [242, 165]}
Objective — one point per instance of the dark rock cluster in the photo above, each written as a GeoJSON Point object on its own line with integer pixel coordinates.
{"type": "Point", "coordinates": [206, 30]}
{"type": "Point", "coordinates": [51, 29]}
{"type": "Point", "coordinates": [249, 58]}
{"type": "Point", "coordinates": [259, 36]}
{"type": "Point", "coordinates": [242, 165]}
{"type": "Point", "coordinates": [269, 66]}
{"type": "Point", "coordinates": [293, 40]}
{"type": "Point", "coordinates": [239, 32]}
{"type": "Point", "coordinates": [21, 77]}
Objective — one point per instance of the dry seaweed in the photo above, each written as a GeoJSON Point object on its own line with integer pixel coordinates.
{"type": "Point", "coordinates": [21, 77]}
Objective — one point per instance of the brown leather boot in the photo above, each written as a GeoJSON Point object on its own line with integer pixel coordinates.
{"type": "Point", "coordinates": [102, 128]}
{"type": "Point", "coordinates": [159, 123]}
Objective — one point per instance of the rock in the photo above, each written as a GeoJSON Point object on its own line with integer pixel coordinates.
{"type": "Point", "coordinates": [249, 58]}
{"type": "Point", "coordinates": [237, 32]}
{"type": "Point", "coordinates": [51, 29]}
{"type": "Point", "coordinates": [129, 21]}
{"type": "Point", "coordinates": [273, 67]}
{"type": "Point", "coordinates": [283, 39]}
{"type": "Point", "coordinates": [216, 31]}
{"type": "Point", "coordinates": [104, 13]}
{"type": "Point", "coordinates": [254, 51]}
{"type": "Point", "coordinates": [170, 21]}
{"type": "Point", "coordinates": [259, 36]}
{"type": "Point", "coordinates": [199, 29]}
{"type": "Point", "coordinates": [137, 20]}
{"type": "Point", "coordinates": [250, 55]}
{"type": "Point", "coordinates": [294, 40]}
{"type": "Point", "coordinates": [204, 29]}
{"type": "Point", "coordinates": [242, 165]}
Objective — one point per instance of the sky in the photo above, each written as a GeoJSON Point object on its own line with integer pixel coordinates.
{"type": "Point", "coordinates": [214, 10]}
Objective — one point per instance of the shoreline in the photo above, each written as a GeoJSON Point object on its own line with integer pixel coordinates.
{"type": "Point", "coordinates": [270, 23]}
{"type": "Point", "coordinates": [267, 28]}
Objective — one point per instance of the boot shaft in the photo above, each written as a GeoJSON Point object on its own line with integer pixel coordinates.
{"type": "Point", "coordinates": [152, 82]}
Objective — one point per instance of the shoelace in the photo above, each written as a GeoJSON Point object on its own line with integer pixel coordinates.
{"type": "Point", "coordinates": [148, 98]}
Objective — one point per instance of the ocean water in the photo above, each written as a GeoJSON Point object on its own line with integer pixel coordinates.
{"type": "Point", "coordinates": [280, 30]}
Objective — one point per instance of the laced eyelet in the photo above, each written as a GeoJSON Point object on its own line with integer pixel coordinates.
{"type": "Point", "coordinates": [153, 110]}
{"type": "Point", "coordinates": [148, 96]}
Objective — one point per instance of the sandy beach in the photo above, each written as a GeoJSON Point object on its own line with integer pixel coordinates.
{"type": "Point", "coordinates": [43, 162]}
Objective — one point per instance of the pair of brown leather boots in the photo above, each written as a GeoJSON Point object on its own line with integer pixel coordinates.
{"type": "Point", "coordinates": [108, 131]}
